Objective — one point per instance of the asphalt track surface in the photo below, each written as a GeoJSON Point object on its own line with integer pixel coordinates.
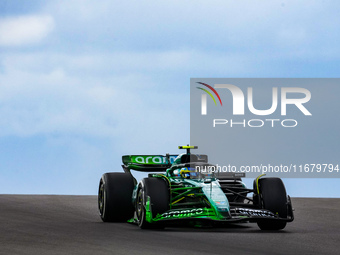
{"type": "Point", "coordinates": [36, 224]}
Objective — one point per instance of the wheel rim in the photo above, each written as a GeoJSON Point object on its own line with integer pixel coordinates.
{"type": "Point", "coordinates": [101, 198]}
{"type": "Point", "coordinates": [140, 205]}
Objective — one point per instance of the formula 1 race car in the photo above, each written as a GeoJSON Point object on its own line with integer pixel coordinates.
{"type": "Point", "coordinates": [186, 189]}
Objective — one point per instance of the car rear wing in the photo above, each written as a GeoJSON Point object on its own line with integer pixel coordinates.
{"type": "Point", "coordinates": [157, 163]}
{"type": "Point", "coordinates": [147, 163]}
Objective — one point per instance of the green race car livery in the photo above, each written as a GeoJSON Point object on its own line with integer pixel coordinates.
{"type": "Point", "coordinates": [185, 188]}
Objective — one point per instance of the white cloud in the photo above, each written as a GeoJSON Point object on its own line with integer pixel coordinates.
{"type": "Point", "coordinates": [83, 85]}
{"type": "Point", "coordinates": [43, 93]}
{"type": "Point", "coordinates": [23, 30]}
{"type": "Point", "coordinates": [87, 84]}
{"type": "Point", "coordinates": [293, 29]}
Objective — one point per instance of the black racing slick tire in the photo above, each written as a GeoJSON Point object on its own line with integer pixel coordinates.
{"type": "Point", "coordinates": [115, 197]}
{"type": "Point", "coordinates": [274, 198]}
{"type": "Point", "coordinates": [158, 191]}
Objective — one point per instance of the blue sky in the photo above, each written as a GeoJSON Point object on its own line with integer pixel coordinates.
{"type": "Point", "coordinates": [84, 82]}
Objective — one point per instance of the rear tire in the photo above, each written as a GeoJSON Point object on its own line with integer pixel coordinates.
{"type": "Point", "coordinates": [115, 197]}
{"type": "Point", "coordinates": [158, 191]}
{"type": "Point", "coordinates": [274, 198]}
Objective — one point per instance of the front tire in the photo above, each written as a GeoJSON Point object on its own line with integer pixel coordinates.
{"type": "Point", "coordinates": [274, 198]}
{"type": "Point", "coordinates": [115, 197]}
{"type": "Point", "coordinates": [158, 191]}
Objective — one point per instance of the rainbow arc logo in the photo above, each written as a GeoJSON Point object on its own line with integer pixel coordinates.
{"type": "Point", "coordinates": [204, 97]}
{"type": "Point", "coordinates": [209, 93]}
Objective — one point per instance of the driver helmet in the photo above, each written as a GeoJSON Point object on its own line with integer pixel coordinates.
{"type": "Point", "coordinates": [188, 173]}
